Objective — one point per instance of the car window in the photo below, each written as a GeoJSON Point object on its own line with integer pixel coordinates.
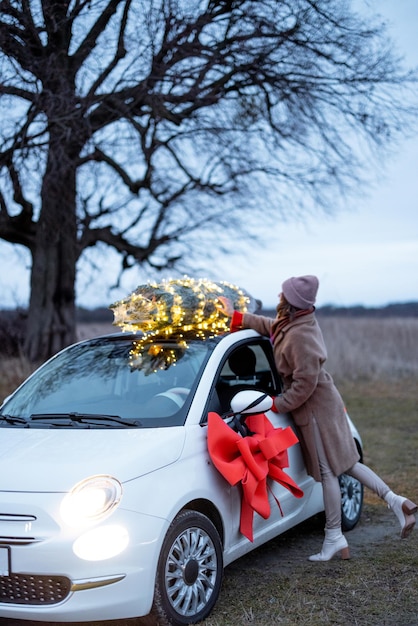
{"type": "Point", "coordinates": [248, 366]}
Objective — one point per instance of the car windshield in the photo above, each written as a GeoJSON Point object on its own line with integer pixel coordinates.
{"type": "Point", "coordinates": [108, 382]}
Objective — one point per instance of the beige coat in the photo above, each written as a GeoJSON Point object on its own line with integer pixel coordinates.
{"type": "Point", "coordinates": [309, 391]}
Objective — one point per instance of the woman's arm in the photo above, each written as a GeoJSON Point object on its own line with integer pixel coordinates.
{"type": "Point", "coordinates": [244, 320]}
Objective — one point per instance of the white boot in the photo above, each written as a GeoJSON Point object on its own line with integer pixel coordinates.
{"type": "Point", "coordinates": [334, 542]}
{"type": "Point", "coordinates": [404, 510]}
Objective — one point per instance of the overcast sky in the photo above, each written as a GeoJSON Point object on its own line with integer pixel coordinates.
{"type": "Point", "coordinates": [366, 255]}
{"type": "Point", "coordinates": [369, 254]}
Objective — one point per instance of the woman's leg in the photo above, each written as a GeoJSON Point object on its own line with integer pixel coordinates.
{"type": "Point", "coordinates": [330, 485]}
{"type": "Point", "coordinates": [369, 479]}
{"type": "Point", "coordinates": [403, 508]}
{"type": "Point", "coordinates": [334, 541]}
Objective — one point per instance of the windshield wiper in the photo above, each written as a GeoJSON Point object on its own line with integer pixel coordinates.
{"type": "Point", "coordinates": [96, 419]}
{"type": "Point", "coordinates": [13, 419]}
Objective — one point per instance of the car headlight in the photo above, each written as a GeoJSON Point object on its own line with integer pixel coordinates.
{"type": "Point", "coordinates": [91, 500]}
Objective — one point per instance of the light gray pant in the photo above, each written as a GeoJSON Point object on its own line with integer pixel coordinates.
{"type": "Point", "coordinates": [331, 485]}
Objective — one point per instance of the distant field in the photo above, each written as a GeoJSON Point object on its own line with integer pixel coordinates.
{"type": "Point", "coordinates": [371, 349]}
{"type": "Point", "coordinates": [358, 349]}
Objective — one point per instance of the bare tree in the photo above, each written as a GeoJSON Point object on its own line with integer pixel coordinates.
{"type": "Point", "coordinates": [135, 124]}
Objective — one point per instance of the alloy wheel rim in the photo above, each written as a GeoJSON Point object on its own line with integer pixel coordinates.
{"type": "Point", "coordinates": [351, 496]}
{"type": "Point", "coordinates": [190, 572]}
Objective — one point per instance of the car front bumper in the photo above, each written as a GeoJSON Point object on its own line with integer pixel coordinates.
{"type": "Point", "coordinates": [44, 580]}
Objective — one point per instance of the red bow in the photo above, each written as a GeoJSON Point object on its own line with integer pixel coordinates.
{"type": "Point", "coordinates": [250, 460]}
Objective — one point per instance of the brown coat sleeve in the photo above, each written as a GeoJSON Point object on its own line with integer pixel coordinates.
{"type": "Point", "coordinates": [260, 323]}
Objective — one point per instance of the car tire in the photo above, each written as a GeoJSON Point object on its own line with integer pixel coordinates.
{"type": "Point", "coordinates": [351, 501]}
{"type": "Point", "coordinates": [190, 571]}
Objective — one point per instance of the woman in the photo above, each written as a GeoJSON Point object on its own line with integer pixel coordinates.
{"type": "Point", "coordinates": [317, 407]}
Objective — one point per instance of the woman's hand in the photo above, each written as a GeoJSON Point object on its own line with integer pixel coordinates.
{"type": "Point", "coordinates": [225, 306]}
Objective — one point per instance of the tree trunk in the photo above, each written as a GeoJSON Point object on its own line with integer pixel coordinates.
{"type": "Point", "coordinates": [51, 319]}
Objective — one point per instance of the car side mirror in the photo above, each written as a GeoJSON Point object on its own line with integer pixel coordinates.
{"type": "Point", "coordinates": [249, 401]}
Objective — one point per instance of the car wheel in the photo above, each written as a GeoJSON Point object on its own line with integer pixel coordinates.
{"type": "Point", "coordinates": [351, 501]}
{"type": "Point", "coordinates": [190, 570]}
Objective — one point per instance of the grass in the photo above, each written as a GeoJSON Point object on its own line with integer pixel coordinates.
{"type": "Point", "coordinates": [13, 370]}
{"type": "Point", "coordinates": [377, 591]}
{"type": "Point", "coordinates": [387, 416]}
{"type": "Point", "coordinates": [349, 594]}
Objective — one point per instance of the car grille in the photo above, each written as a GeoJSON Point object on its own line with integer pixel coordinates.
{"type": "Point", "coordinates": [33, 589]}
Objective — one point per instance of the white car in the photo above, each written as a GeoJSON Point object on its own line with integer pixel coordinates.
{"type": "Point", "coordinates": [110, 504]}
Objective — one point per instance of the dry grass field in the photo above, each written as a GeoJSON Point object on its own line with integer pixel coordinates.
{"type": "Point", "coordinates": [375, 363]}
{"type": "Point", "coordinates": [359, 350]}
{"type": "Point", "coordinates": [365, 349]}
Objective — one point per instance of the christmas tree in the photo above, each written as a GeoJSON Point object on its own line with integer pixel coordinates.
{"type": "Point", "coordinates": [176, 310]}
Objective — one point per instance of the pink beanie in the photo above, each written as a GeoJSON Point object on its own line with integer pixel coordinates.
{"type": "Point", "coordinates": [300, 291]}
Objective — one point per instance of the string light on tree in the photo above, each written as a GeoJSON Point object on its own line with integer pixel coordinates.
{"type": "Point", "coordinates": [176, 310]}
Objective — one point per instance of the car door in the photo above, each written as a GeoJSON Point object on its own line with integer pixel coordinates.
{"type": "Point", "coordinates": [250, 365]}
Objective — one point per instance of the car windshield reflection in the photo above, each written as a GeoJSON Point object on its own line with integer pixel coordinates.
{"type": "Point", "coordinates": [110, 378]}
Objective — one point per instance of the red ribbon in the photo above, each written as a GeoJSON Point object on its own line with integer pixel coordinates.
{"type": "Point", "coordinates": [251, 460]}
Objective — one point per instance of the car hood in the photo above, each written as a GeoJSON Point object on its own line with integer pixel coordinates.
{"type": "Point", "coordinates": [54, 460]}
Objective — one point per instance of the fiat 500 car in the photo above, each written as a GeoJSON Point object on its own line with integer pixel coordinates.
{"type": "Point", "coordinates": [110, 503]}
